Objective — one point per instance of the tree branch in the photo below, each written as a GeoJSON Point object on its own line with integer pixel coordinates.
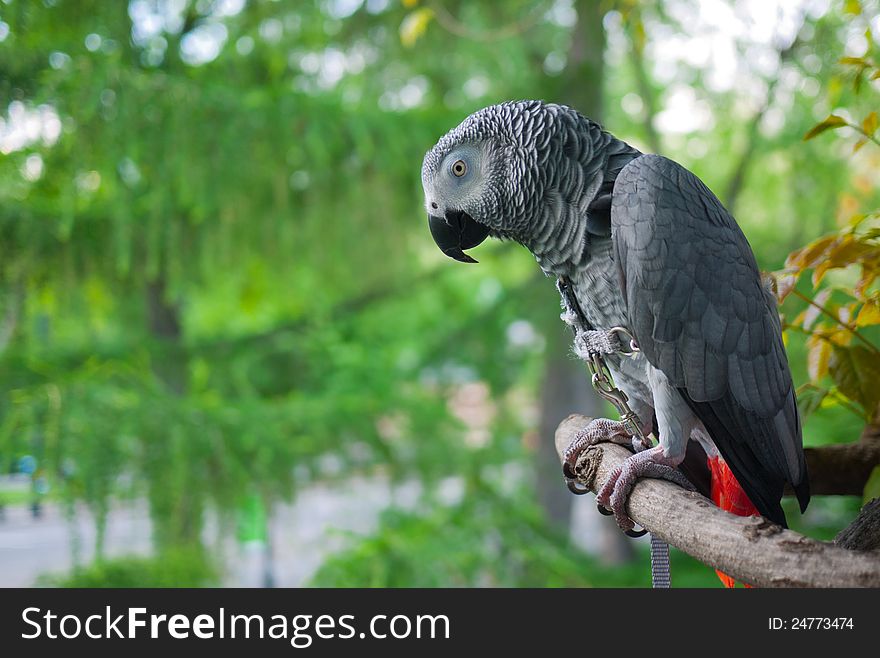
{"type": "Point", "coordinates": [750, 549]}
{"type": "Point", "coordinates": [863, 534]}
{"type": "Point", "coordinates": [841, 470]}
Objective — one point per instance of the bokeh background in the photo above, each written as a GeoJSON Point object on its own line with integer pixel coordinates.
{"type": "Point", "coordinates": [230, 353]}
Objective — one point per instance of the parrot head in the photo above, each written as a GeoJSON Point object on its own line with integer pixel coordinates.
{"type": "Point", "coordinates": [475, 178]}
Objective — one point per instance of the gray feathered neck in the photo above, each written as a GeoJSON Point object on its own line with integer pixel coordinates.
{"type": "Point", "coordinates": [555, 178]}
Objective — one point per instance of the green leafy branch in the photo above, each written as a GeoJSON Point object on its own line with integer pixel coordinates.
{"type": "Point", "coordinates": [835, 318]}
{"type": "Point", "coordinates": [862, 68]}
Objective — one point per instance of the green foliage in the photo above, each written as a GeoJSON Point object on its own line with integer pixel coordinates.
{"type": "Point", "coordinates": [841, 315]}
{"type": "Point", "coordinates": [259, 210]}
{"type": "Point", "coordinates": [451, 548]}
{"type": "Point", "coordinates": [178, 568]}
{"type": "Point", "coordinates": [487, 540]}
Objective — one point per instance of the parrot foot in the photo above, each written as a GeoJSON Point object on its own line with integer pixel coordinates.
{"type": "Point", "coordinates": [649, 463]}
{"type": "Point", "coordinates": [599, 430]}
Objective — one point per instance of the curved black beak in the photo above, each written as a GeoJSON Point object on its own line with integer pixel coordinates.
{"type": "Point", "coordinates": [456, 232]}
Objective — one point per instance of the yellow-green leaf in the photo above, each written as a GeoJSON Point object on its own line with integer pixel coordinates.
{"type": "Point", "coordinates": [812, 313]}
{"type": "Point", "coordinates": [859, 144]}
{"type": "Point", "coordinates": [854, 221]}
{"type": "Point", "coordinates": [785, 283]}
{"type": "Point", "coordinates": [839, 336]}
{"type": "Point", "coordinates": [414, 25]}
{"type": "Point", "coordinates": [869, 314]}
{"type": "Point", "coordinates": [831, 121]}
{"type": "Point", "coordinates": [869, 125]}
{"type": "Point", "coordinates": [639, 37]}
{"type": "Point", "coordinates": [869, 274]}
{"type": "Point", "coordinates": [853, 7]}
{"type": "Point", "coordinates": [809, 255]}
{"type": "Point", "coordinates": [843, 252]}
{"type": "Point", "coordinates": [809, 399]}
{"type": "Point", "coordinates": [818, 354]}
{"type": "Point", "coordinates": [856, 371]}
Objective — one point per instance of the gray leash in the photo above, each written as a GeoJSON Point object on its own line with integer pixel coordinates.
{"type": "Point", "coordinates": [660, 576]}
{"type": "Point", "coordinates": [590, 345]}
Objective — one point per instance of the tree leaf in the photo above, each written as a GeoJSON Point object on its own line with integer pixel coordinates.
{"type": "Point", "coordinates": [856, 220]}
{"type": "Point", "coordinates": [782, 283]}
{"type": "Point", "coordinates": [869, 274]}
{"type": "Point", "coordinates": [818, 354]}
{"type": "Point", "coordinates": [843, 252]}
{"type": "Point", "coordinates": [859, 144]}
{"type": "Point", "coordinates": [809, 399]}
{"type": "Point", "coordinates": [856, 370]}
{"type": "Point", "coordinates": [840, 336]}
{"type": "Point", "coordinates": [414, 25]}
{"type": "Point", "coordinates": [869, 125]}
{"type": "Point", "coordinates": [831, 121]}
{"type": "Point", "coordinates": [869, 314]}
{"type": "Point", "coordinates": [812, 313]}
{"type": "Point", "coordinates": [807, 256]}
{"type": "Point", "coordinates": [853, 7]}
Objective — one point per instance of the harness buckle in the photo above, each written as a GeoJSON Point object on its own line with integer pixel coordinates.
{"type": "Point", "coordinates": [628, 347]}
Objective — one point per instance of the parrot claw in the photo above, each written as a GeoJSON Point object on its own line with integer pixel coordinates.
{"type": "Point", "coordinates": [649, 463]}
{"type": "Point", "coordinates": [599, 429]}
{"type": "Point", "coordinates": [571, 481]}
{"type": "Point", "coordinates": [576, 487]}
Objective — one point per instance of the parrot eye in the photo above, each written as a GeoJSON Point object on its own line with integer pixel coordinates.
{"type": "Point", "coordinates": [459, 168]}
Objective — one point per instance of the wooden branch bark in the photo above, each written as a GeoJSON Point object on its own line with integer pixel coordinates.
{"type": "Point", "coordinates": [750, 549]}
{"type": "Point", "coordinates": [863, 534]}
{"type": "Point", "coordinates": [844, 469]}
{"type": "Point", "coordinates": [841, 470]}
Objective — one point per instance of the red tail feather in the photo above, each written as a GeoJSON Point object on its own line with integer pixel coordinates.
{"type": "Point", "coordinates": [729, 496]}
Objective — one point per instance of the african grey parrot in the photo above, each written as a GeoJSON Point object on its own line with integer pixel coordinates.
{"type": "Point", "coordinates": [646, 246]}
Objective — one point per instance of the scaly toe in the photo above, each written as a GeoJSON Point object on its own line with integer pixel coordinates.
{"type": "Point", "coordinates": [614, 494]}
{"type": "Point", "coordinates": [599, 430]}
{"type": "Point", "coordinates": [603, 497]}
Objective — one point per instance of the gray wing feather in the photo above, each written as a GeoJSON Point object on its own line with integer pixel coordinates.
{"type": "Point", "coordinates": [699, 313]}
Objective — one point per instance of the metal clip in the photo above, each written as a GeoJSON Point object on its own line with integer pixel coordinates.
{"type": "Point", "coordinates": [604, 385]}
{"type": "Point", "coordinates": [631, 343]}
